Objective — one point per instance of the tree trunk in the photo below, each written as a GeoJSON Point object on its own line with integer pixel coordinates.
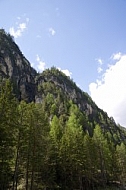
{"type": "Point", "coordinates": [33, 166]}
{"type": "Point", "coordinates": [27, 168]}
{"type": "Point", "coordinates": [16, 164]}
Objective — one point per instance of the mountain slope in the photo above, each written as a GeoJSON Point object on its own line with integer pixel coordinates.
{"type": "Point", "coordinates": [53, 88]}
{"type": "Point", "coordinates": [60, 90]}
{"type": "Point", "coordinates": [15, 66]}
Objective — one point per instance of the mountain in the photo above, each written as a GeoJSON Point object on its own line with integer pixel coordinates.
{"type": "Point", "coordinates": [15, 66]}
{"type": "Point", "coordinates": [31, 86]}
{"type": "Point", "coordinates": [55, 85]}
{"type": "Point", "coordinates": [52, 134]}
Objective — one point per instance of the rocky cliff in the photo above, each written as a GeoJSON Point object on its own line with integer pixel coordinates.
{"type": "Point", "coordinates": [52, 83]}
{"type": "Point", "coordinates": [15, 66]}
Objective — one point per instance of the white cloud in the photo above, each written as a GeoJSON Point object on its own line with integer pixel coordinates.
{"type": "Point", "coordinates": [116, 56]}
{"type": "Point", "coordinates": [52, 32]}
{"type": "Point", "coordinates": [100, 63]}
{"type": "Point", "coordinates": [14, 33]}
{"type": "Point", "coordinates": [20, 28]}
{"type": "Point", "coordinates": [66, 72]}
{"type": "Point", "coordinates": [99, 69]}
{"type": "Point", "coordinates": [40, 64]}
{"type": "Point", "coordinates": [109, 93]}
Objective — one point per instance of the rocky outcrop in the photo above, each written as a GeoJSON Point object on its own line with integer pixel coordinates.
{"type": "Point", "coordinates": [15, 66]}
{"type": "Point", "coordinates": [26, 81]}
{"type": "Point", "coordinates": [68, 88]}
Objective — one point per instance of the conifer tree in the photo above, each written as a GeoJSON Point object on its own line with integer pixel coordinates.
{"type": "Point", "coordinates": [121, 161]}
{"type": "Point", "coordinates": [70, 151]}
{"type": "Point", "coordinates": [8, 116]}
{"type": "Point", "coordinates": [103, 160]}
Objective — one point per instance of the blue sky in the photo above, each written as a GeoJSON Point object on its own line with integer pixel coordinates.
{"type": "Point", "coordinates": [84, 38]}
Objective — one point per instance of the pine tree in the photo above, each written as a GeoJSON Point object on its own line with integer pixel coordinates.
{"type": "Point", "coordinates": [8, 116]}
{"type": "Point", "coordinates": [90, 166]}
{"type": "Point", "coordinates": [103, 161]}
{"type": "Point", "coordinates": [71, 151]}
{"type": "Point", "coordinates": [121, 161]}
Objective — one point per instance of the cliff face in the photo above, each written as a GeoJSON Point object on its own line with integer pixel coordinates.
{"type": "Point", "coordinates": [56, 90]}
{"type": "Point", "coordinates": [50, 86]}
{"type": "Point", "coordinates": [15, 66]}
{"type": "Point", "coordinates": [68, 88]}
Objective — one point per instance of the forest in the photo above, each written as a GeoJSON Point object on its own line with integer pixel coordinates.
{"type": "Point", "coordinates": [52, 135]}
{"type": "Point", "coordinates": [41, 149]}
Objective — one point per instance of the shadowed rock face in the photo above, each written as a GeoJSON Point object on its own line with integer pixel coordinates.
{"type": "Point", "coordinates": [15, 66]}
{"type": "Point", "coordinates": [26, 80]}
{"type": "Point", "coordinates": [27, 84]}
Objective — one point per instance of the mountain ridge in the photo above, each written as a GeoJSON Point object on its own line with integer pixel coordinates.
{"type": "Point", "coordinates": [32, 86]}
{"type": "Point", "coordinates": [52, 134]}
{"type": "Point", "coordinates": [15, 66]}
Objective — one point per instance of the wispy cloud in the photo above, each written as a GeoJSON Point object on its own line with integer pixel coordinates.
{"type": "Point", "coordinates": [52, 32]}
{"type": "Point", "coordinates": [99, 69]}
{"type": "Point", "coordinates": [66, 72]}
{"type": "Point", "coordinates": [116, 56]}
{"type": "Point", "coordinates": [16, 33]}
{"type": "Point", "coordinates": [100, 63]}
{"type": "Point", "coordinates": [57, 11]}
{"type": "Point", "coordinates": [41, 65]}
{"type": "Point", "coordinates": [109, 93]}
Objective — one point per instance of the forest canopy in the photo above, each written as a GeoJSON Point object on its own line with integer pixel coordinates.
{"type": "Point", "coordinates": [42, 150]}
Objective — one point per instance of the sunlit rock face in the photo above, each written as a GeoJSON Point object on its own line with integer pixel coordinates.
{"type": "Point", "coordinates": [32, 86]}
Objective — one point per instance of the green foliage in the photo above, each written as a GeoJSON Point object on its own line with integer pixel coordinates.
{"type": "Point", "coordinates": [121, 161]}
{"type": "Point", "coordinates": [55, 145]}
{"type": "Point", "coordinates": [8, 113]}
{"type": "Point", "coordinates": [63, 142]}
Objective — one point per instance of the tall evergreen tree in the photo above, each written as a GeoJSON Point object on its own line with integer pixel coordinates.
{"type": "Point", "coordinates": [103, 161]}
{"type": "Point", "coordinates": [121, 160]}
{"type": "Point", "coordinates": [8, 116]}
{"type": "Point", "coordinates": [71, 151]}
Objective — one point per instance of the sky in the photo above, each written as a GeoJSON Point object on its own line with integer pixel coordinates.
{"type": "Point", "coordinates": [86, 39]}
